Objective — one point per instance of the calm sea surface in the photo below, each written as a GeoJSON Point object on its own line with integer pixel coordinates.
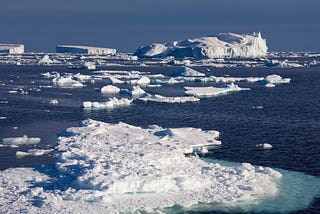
{"type": "Point", "coordinates": [287, 116]}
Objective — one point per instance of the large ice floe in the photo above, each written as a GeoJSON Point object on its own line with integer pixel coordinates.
{"type": "Point", "coordinates": [223, 45]}
{"type": "Point", "coordinates": [212, 91]}
{"type": "Point", "coordinates": [119, 168]}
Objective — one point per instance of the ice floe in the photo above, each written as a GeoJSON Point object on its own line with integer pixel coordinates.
{"type": "Point", "coordinates": [276, 79]}
{"type": "Point", "coordinates": [34, 152]}
{"type": "Point", "coordinates": [117, 168]}
{"type": "Point", "coordinates": [112, 103]}
{"type": "Point", "coordinates": [188, 72]}
{"type": "Point", "coordinates": [162, 99]}
{"type": "Point", "coordinates": [16, 141]}
{"type": "Point", "coordinates": [212, 91]}
{"type": "Point", "coordinates": [110, 89]}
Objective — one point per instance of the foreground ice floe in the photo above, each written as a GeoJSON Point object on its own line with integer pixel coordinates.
{"type": "Point", "coordinates": [112, 168]}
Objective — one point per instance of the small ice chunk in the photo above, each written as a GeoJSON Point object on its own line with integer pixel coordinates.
{"type": "Point", "coordinates": [265, 146]}
{"type": "Point", "coordinates": [45, 60]}
{"type": "Point", "coordinates": [54, 102]}
{"type": "Point", "coordinates": [88, 65]}
{"type": "Point", "coordinates": [276, 79]}
{"type": "Point", "coordinates": [21, 140]}
{"type": "Point", "coordinates": [188, 72]}
{"type": "Point", "coordinates": [34, 152]}
{"type": "Point", "coordinates": [270, 85]}
{"type": "Point", "coordinates": [112, 103]}
{"type": "Point", "coordinates": [137, 91]}
{"type": "Point", "coordinates": [110, 89]}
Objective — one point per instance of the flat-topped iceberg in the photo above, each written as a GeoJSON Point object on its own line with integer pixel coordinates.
{"type": "Point", "coordinates": [229, 45]}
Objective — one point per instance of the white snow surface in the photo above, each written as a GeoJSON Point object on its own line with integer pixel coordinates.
{"type": "Point", "coordinates": [276, 79]}
{"type": "Point", "coordinates": [223, 45]}
{"type": "Point", "coordinates": [161, 99]}
{"type": "Point", "coordinates": [212, 91]}
{"type": "Point", "coordinates": [110, 104]}
{"type": "Point", "coordinates": [188, 72]}
{"type": "Point", "coordinates": [120, 168]}
{"type": "Point", "coordinates": [20, 140]}
{"type": "Point", "coordinates": [110, 89]}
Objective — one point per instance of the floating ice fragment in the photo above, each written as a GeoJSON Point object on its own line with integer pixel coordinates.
{"type": "Point", "coordinates": [112, 103]}
{"type": "Point", "coordinates": [188, 72]}
{"type": "Point", "coordinates": [110, 89]}
{"type": "Point", "coordinates": [137, 91]}
{"type": "Point", "coordinates": [265, 146]}
{"type": "Point", "coordinates": [34, 152]}
{"type": "Point", "coordinates": [20, 140]}
{"type": "Point", "coordinates": [161, 99]}
{"type": "Point", "coordinates": [276, 79]}
{"type": "Point", "coordinates": [54, 102]}
{"type": "Point", "coordinates": [212, 91]}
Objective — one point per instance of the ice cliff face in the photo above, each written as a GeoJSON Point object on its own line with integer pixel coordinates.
{"type": "Point", "coordinates": [229, 45]}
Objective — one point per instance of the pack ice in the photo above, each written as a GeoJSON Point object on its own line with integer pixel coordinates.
{"type": "Point", "coordinates": [223, 45]}
{"type": "Point", "coordinates": [112, 168]}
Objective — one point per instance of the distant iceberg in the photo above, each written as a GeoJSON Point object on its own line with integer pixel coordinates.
{"type": "Point", "coordinates": [228, 45]}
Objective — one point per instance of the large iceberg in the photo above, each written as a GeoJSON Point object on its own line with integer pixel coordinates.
{"type": "Point", "coordinates": [229, 45]}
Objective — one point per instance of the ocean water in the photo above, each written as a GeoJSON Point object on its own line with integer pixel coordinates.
{"type": "Point", "coordinates": [287, 116]}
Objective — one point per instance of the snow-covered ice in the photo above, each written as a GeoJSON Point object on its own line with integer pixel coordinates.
{"type": "Point", "coordinates": [110, 104]}
{"type": "Point", "coordinates": [34, 152]}
{"type": "Point", "coordinates": [212, 91]}
{"type": "Point", "coordinates": [222, 45]}
{"type": "Point", "coordinates": [110, 89]}
{"type": "Point", "coordinates": [162, 99]}
{"type": "Point", "coordinates": [113, 168]}
{"type": "Point", "coordinates": [276, 79]}
{"type": "Point", "coordinates": [188, 72]}
{"type": "Point", "coordinates": [16, 141]}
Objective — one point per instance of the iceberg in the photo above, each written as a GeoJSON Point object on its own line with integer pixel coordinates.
{"type": "Point", "coordinates": [78, 49]}
{"type": "Point", "coordinates": [12, 48]}
{"type": "Point", "coordinates": [224, 45]}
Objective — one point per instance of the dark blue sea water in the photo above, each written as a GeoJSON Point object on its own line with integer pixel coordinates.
{"type": "Point", "coordinates": [288, 116]}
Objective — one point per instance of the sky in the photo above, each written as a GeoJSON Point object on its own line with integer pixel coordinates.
{"type": "Point", "coordinates": [288, 25]}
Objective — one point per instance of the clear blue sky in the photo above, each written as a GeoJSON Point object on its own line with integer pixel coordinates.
{"type": "Point", "coordinates": [288, 25]}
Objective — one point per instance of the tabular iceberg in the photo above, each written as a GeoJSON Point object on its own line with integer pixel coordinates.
{"type": "Point", "coordinates": [229, 45]}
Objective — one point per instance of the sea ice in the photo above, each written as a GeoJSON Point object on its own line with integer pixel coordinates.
{"type": "Point", "coordinates": [112, 103]}
{"type": "Point", "coordinates": [34, 152]}
{"type": "Point", "coordinates": [276, 79]}
{"type": "Point", "coordinates": [137, 91]}
{"type": "Point", "coordinates": [161, 99]}
{"type": "Point", "coordinates": [188, 72]}
{"type": "Point", "coordinates": [212, 91]}
{"type": "Point", "coordinates": [220, 46]}
{"type": "Point", "coordinates": [45, 60]}
{"type": "Point", "coordinates": [110, 89]}
{"type": "Point", "coordinates": [118, 168]}
{"type": "Point", "coordinates": [20, 140]}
